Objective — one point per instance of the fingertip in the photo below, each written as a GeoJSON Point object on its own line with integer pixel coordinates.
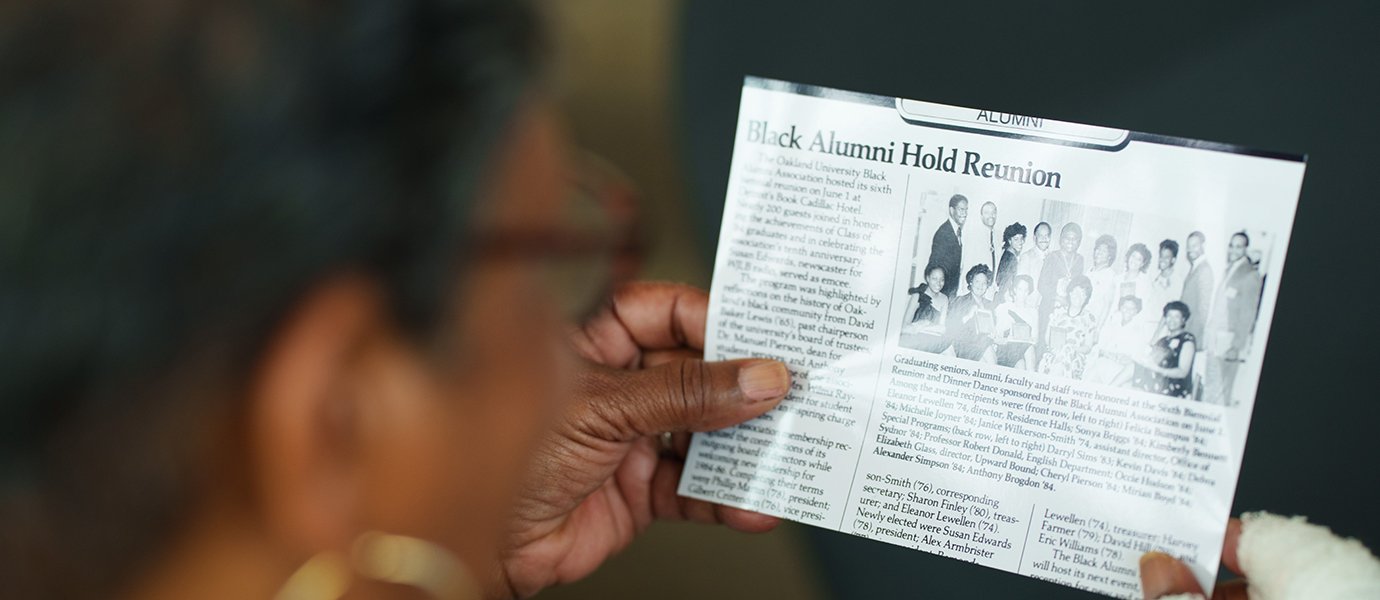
{"type": "Point", "coordinates": [1162, 575]}
{"type": "Point", "coordinates": [763, 380]}
{"type": "Point", "coordinates": [747, 521]}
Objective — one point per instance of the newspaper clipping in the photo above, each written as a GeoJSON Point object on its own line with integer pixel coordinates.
{"type": "Point", "coordinates": [1029, 344]}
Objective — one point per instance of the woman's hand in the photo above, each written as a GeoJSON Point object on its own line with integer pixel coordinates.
{"type": "Point", "coordinates": [602, 476]}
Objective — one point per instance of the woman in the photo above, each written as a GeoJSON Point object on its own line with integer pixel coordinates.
{"type": "Point", "coordinates": [1072, 333]}
{"type": "Point", "coordinates": [1123, 336]}
{"type": "Point", "coordinates": [286, 325]}
{"type": "Point", "coordinates": [1016, 322]}
{"type": "Point", "coordinates": [923, 323]}
{"type": "Point", "coordinates": [1103, 277]}
{"type": "Point", "coordinates": [1008, 267]}
{"type": "Point", "coordinates": [1135, 281]}
{"type": "Point", "coordinates": [971, 321]}
{"type": "Point", "coordinates": [1168, 368]}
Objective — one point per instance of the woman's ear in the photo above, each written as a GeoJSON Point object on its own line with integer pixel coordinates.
{"type": "Point", "coordinates": [303, 447]}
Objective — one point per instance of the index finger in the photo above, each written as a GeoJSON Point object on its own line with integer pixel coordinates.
{"type": "Point", "coordinates": [647, 316]}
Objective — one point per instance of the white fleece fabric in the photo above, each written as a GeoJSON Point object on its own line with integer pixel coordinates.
{"type": "Point", "coordinates": [1288, 558]}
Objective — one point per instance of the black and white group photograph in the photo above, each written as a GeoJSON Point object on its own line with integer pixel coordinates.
{"type": "Point", "coordinates": [1086, 293]}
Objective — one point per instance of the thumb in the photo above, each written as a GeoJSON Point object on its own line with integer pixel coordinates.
{"type": "Point", "coordinates": [684, 395]}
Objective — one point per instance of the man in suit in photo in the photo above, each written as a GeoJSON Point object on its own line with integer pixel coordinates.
{"type": "Point", "coordinates": [946, 251]}
{"type": "Point", "coordinates": [1197, 292]}
{"type": "Point", "coordinates": [1232, 320]}
{"type": "Point", "coordinates": [981, 246]}
{"type": "Point", "coordinates": [1060, 268]}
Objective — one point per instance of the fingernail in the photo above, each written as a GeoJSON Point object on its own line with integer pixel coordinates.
{"type": "Point", "coordinates": [1156, 574]}
{"type": "Point", "coordinates": [764, 380]}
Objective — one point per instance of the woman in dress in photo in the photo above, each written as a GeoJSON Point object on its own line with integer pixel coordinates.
{"type": "Point", "coordinates": [1168, 368]}
{"type": "Point", "coordinates": [1123, 336]}
{"type": "Point", "coordinates": [971, 321]}
{"type": "Point", "coordinates": [1103, 277]}
{"type": "Point", "coordinates": [1014, 341]}
{"type": "Point", "coordinates": [926, 315]}
{"type": "Point", "coordinates": [1071, 334]}
{"type": "Point", "coordinates": [1012, 241]}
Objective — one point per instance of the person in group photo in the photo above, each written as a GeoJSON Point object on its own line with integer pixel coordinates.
{"type": "Point", "coordinates": [1012, 241]}
{"type": "Point", "coordinates": [1103, 277]}
{"type": "Point", "coordinates": [1032, 258]}
{"type": "Point", "coordinates": [1135, 279]}
{"type": "Point", "coordinates": [1060, 268]}
{"type": "Point", "coordinates": [1232, 320]}
{"type": "Point", "coordinates": [1168, 368]}
{"type": "Point", "coordinates": [926, 314]}
{"type": "Point", "coordinates": [1169, 278]}
{"type": "Point", "coordinates": [1197, 292]}
{"type": "Point", "coordinates": [1072, 332]}
{"type": "Point", "coordinates": [971, 320]}
{"type": "Point", "coordinates": [1016, 320]}
{"type": "Point", "coordinates": [946, 249]}
{"type": "Point", "coordinates": [981, 244]}
{"type": "Point", "coordinates": [1123, 336]}
{"type": "Point", "coordinates": [1168, 281]}
{"type": "Point", "coordinates": [1115, 322]}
